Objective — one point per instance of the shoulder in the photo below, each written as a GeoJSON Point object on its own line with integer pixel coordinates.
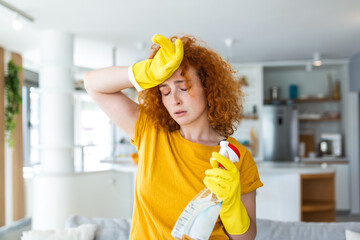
{"type": "Point", "coordinates": [250, 179]}
{"type": "Point", "coordinates": [246, 160]}
{"type": "Point", "coordinates": [145, 129]}
{"type": "Point", "coordinates": [243, 150]}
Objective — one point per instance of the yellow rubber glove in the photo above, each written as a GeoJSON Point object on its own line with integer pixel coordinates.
{"type": "Point", "coordinates": [225, 183]}
{"type": "Point", "coordinates": [151, 72]}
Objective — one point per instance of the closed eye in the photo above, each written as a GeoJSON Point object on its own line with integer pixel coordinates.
{"type": "Point", "coordinates": [165, 91]}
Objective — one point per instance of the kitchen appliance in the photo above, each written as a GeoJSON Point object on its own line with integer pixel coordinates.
{"type": "Point", "coordinates": [280, 130]}
{"type": "Point", "coordinates": [334, 142]}
{"type": "Point", "coordinates": [275, 93]}
{"type": "Point", "coordinates": [325, 148]}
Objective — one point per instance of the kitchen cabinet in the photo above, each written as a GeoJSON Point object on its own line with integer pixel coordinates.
{"type": "Point", "coordinates": [320, 110]}
{"type": "Point", "coordinates": [296, 192]}
{"type": "Point", "coordinates": [342, 180]}
{"type": "Point", "coordinates": [310, 117]}
{"type": "Point", "coordinates": [317, 197]}
{"type": "Point", "coordinates": [314, 86]}
{"type": "Point", "coordinates": [304, 100]}
{"type": "Point", "coordinates": [342, 186]}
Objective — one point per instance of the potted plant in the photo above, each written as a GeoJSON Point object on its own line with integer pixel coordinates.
{"type": "Point", "coordinates": [13, 100]}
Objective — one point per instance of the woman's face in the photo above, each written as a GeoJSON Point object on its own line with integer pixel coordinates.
{"type": "Point", "coordinates": [185, 106]}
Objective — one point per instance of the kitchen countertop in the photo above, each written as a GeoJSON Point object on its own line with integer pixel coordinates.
{"type": "Point", "coordinates": [292, 167]}
{"type": "Point", "coordinates": [330, 160]}
{"type": "Point", "coordinates": [126, 165]}
{"type": "Point", "coordinates": [305, 166]}
{"type": "Point", "coordinates": [121, 164]}
{"type": "Point", "coordinates": [264, 167]}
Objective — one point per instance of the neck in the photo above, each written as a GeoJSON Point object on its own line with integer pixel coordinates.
{"type": "Point", "coordinates": [202, 133]}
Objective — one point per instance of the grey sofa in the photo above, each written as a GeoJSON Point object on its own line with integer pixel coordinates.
{"type": "Point", "coordinates": [276, 230]}
{"type": "Point", "coordinates": [119, 229]}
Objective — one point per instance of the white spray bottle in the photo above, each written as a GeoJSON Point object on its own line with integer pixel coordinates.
{"type": "Point", "coordinates": [198, 219]}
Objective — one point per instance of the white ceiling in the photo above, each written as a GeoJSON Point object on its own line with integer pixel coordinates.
{"type": "Point", "coordinates": [263, 30]}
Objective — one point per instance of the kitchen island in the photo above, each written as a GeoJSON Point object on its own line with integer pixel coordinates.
{"type": "Point", "coordinates": [296, 192]}
{"type": "Point", "coordinates": [291, 191]}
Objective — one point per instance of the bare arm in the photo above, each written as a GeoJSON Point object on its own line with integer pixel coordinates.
{"type": "Point", "coordinates": [249, 201]}
{"type": "Point", "coordinates": [105, 86]}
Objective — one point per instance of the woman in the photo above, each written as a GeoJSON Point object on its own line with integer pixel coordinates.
{"type": "Point", "coordinates": [189, 102]}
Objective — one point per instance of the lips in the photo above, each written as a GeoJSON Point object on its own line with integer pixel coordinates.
{"type": "Point", "coordinates": [180, 113]}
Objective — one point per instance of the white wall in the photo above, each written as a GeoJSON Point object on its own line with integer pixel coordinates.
{"type": "Point", "coordinates": [354, 73]}
{"type": "Point", "coordinates": [352, 146]}
{"type": "Point", "coordinates": [94, 194]}
{"type": "Point", "coordinates": [253, 96]}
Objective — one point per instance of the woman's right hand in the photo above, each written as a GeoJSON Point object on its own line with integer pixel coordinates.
{"type": "Point", "coordinates": [152, 72]}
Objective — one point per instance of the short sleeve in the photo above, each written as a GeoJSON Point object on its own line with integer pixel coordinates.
{"type": "Point", "coordinates": [249, 175]}
{"type": "Point", "coordinates": [140, 127]}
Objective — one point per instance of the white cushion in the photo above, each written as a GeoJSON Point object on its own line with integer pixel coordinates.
{"type": "Point", "coordinates": [350, 235]}
{"type": "Point", "coordinates": [106, 228]}
{"type": "Point", "coordinates": [83, 232]}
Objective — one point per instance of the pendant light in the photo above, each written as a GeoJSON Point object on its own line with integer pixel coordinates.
{"type": "Point", "coordinates": [17, 24]}
{"type": "Point", "coordinates": [229, 42]}
{"type": "Point", "coordinates": [317, 59]}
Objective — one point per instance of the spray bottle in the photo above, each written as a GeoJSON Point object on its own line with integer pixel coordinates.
{"type": "Point", "coordinates": [199, 217]}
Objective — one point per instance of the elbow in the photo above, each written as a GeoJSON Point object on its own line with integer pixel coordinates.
{"type": "Point", "coordinates": [86, 81]}
{"type": "Point", "coordinates": [255, 233]}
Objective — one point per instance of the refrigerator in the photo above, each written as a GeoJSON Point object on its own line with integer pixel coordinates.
{"type": "Point", "coordinates": [280, 133]}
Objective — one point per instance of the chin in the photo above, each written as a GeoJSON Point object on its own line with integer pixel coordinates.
{"type": "Point", "coordinates": [181, 121]}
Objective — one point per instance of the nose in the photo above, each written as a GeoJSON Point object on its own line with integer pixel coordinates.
{"type": "Point", "coordinates": [176, 100]}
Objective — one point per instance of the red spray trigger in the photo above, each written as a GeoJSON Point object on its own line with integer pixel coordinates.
{"type": "Point", "coordinates": [230, 151]}
{"type": "Point", "coordinates": [221, 166]}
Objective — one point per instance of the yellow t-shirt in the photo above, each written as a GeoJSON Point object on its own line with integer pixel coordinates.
{"type": "Point", "coordinates": [170, 173]}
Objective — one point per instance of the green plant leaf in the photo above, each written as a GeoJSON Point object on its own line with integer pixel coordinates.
{"type": "Point", "coordinates": [13, 100]}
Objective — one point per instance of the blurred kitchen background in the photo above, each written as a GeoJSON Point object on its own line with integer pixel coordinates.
{"type": "Point", "coordinates": [298, 63]}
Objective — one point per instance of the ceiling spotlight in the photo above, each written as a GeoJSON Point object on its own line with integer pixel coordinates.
{"type": "Point", "coordinates": [317, 59]}
{"type": "Point", "coordinates": [17, 24]}
{"type": "Point", "coordinates": [229, 42]}
{"type": "Point", "coordinates": [140, 45]}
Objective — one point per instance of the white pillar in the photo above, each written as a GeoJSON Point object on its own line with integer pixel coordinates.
{"type": "Point", "coordinates": [56, 99]}
{"type": "Point", "coordinates": [52, 188]}
{"type": "Point", "coordinates": [353, 142]}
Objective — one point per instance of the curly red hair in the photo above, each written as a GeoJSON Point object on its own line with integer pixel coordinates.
{"type": "Point", "coordinates": [222, 90]}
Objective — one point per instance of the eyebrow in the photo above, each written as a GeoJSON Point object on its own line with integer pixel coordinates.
{"type": "Point", "coordinates": [176, 82]}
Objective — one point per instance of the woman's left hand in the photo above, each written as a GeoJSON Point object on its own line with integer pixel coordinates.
{"type": "Point", "coordinates": [225, 183]}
